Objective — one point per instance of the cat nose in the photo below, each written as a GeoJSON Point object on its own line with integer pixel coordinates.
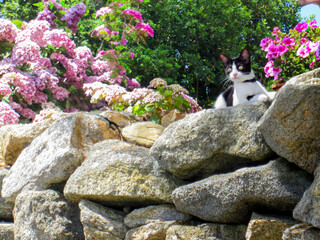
{"type": "Point", "coordinates": [235, 74]}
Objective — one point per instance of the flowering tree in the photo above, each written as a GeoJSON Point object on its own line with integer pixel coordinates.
{"type": "Point", "coordinates": [41, 62]}
{"type": "Point", "coordinates": [293, 53]}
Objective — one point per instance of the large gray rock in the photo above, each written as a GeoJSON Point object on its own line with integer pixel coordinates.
{"type": "Point", "coordinates": [5, 206]}
{"type": "Point", "coordinates": [230, 198]}
{"type": "Point", "coordinates": [46, 215]}
{"type": "Point", "coordinates": [101, 223]}
{"type": "Point", "coordinates": [308, 209]}
{"type": "Point", "coordinates": [208, 231]}
{"type": "Point", "coordinates": [267, 227]}
{"type": "Point", "coordinates": [212, 141]}
{"type": "Point", "coordinates": [121, 174]}
{"type": "Point", "coordinates": [166, 212]}
{"type": "Point", "coordinates": [291, 125]}
{"type": "Point", "coordinates": [55, 154]}
{"type": "Point", "coordinates": [301, 231]}
{"type": "Point", "coordinates": [6, 231]}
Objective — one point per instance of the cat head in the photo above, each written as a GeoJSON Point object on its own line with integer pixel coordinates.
{"type": "Point", "coordinates": [238, 69]}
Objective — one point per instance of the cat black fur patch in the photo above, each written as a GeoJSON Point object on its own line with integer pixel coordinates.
{"type": "Point", "coordinates": [228, 96]}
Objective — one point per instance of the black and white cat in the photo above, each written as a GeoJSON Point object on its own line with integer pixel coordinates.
{"type": "Point", "coordinates": [245, 89]}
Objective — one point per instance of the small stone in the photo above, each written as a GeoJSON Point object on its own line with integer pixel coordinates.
{"type": "Point", "coordinates": [263, 227]}
{"type": "Point", "coordinates": [208, 231]}
{"type": "Point", "coordinates": [101, 223]}
{"type": "Point", "coordinates": [142, 133]}
{"type": "Point", "coordinates": [301, 231]}
{"type": "Point", "coordinates": [142, 216]}
{"type": "Point", "coordinates": [172, 116]}
{"type": "Point", "coordinates": [6, 231]}
{"type": "Point", "coordinates": [151, 231]}
{"type": "Point", "coordinates": [46, 215]}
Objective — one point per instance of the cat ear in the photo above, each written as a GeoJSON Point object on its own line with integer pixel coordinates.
{"type": "Point", "coordinates": [245, 55]}
{"type": "Point", "coordinates": [224, 59]}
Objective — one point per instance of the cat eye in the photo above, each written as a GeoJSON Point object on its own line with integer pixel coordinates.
{"type": "Point", "coordinates": [229, 69]}
{"type": "Point", "coordinates": [240, 67]}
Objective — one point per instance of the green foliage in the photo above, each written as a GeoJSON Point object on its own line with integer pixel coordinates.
{"type": "Point", "coordinates": [189, 37]}
{"type": "Point", "coordinates": [193, 33]}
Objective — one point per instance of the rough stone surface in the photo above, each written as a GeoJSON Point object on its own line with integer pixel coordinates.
{"type": "Point", "coordinates": [212, 141]}
{"type": "Point", "coordinates": [262, 227]}
{"type": "Point", "coordinates": [14, 138]}
{"type": "Point", "coordinates": [142, 216]}
{"type": "Point", "coordinates": [151, 231]}
{"type": "Point", "coordinates": [142, 133]}
{"type": "Point", "coordinates": [101, 223]}
{"type": "Point", "coordinates": [209, 231]}
{"type": "Point", "coordinates": [46, 215]}
{"type": "Point", "coordinates": [230, 198]}
{"type": "Point", "coordinates": [121, 119]}
{"type": "Point", "coordinates": [172, 116]}
{"type": "Point", "coordinates": [301, 231]}
{"type": "Point", "coordinates": [122, 174]}
{"type": "Point", "coordinates": [5, 206]}
{"type": "Point", "coordinates": [308, 209]}
{"type": "Point", "coordinates": [55, 154]}
{"type": "Point", "coordinates": [6, 231]}
{"type": "Point", "coordinates": [291, 125]}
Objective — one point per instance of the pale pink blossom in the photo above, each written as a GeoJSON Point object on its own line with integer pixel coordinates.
{"type": "Point", "coordinates": [35, 31]}
{"type": "Point", "coordinates": [60, 93]}
{"type": "Point", "coordinates": [25, 52]}
{"type": "Point", "coordinates": [59, 38]}
{"type": "Point", "coordinates": [8, 31]}
{"type": "Point", "coordinates": [303, 51]}
{"type": "Point", "coordinates": [132, 84]}
{"type": "Point", "coordinates": [136, 95]}
{"type": "Point", "coordinates": [103, 11]}
{"type": "Point", "coordinates": [153, 97]}
{"type": "Point", "coordinates": [4, 88]}
{"type": "Point", "coordinates": [193, 104]}
{"type": "Point", "coordinates": [157, 82]}
{"type": "Point", "coordinates": [100, 66]}
{"type": "Point", "coordinates": [28, 113]}
{"type": "Point", "coordinates": [100, 31]}
{"type": "Point", "coordinates": [7, 115]}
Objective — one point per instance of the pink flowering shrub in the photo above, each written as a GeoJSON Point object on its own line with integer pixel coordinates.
{"type": "Point", "coordinates": [44, 65]}
{"type": "Point", "coordinates": [293, 53]}
{"type": "Point", "coordinates": [7, 115]}
{"type": "Point", "coordinates": [152, 102]}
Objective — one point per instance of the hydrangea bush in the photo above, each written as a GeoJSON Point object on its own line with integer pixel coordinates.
{"type": "Point", "coordinates": [41, 63]}
{"type": "Point", "coordinates": [292, 53]}
{"type": "Point", "coordinates": [152, 102]}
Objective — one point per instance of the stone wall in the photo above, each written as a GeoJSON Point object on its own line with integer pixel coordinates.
{"type": "Point", "coordinates": [246, 172]}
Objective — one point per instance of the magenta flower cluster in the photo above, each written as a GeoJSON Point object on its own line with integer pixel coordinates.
{"type": "Point", "coordinates": [284, 50]}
